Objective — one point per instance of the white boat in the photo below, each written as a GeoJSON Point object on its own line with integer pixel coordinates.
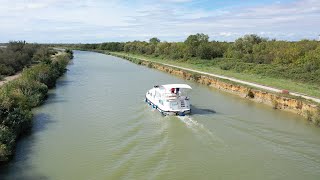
{"type": "Point", "coordinates": [170, 99]}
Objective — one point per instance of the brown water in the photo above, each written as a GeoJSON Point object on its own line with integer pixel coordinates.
{"type": "Point", "coordinates": [95, 125]}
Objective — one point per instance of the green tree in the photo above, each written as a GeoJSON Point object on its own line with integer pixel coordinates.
{"type": "Point", "coordinates": [154, 40]}
{"type": "Point", "coordinates": [195, 40]}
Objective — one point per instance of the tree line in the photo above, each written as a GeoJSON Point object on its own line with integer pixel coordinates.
{"type": "Point", "coordinates": [18, 54]}
{"type": "Point", "coordinates": [299, 61]}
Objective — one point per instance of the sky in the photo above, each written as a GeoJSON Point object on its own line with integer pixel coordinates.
{"type": "Point", "coordinates": [94, 21]}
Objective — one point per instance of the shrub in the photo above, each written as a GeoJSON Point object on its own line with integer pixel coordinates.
{"type": "Point", "coordinates": [18, 119]}
{"type": "Point", "coordinates": [43, 73]}
{"type": "Point", "coordinates": [226, 66]}
{"type": "Point", "coordinates": [316, 118]}
{"type": "Point", "coordinates": [195, 76]}
{"type": "Point", "coordinates": [6, 70]}
{"type": "Point", "coordinates": [250, 94]}
{"type": "Point", "coordinates": [6, 135]}
{"type": "Point", "coordinates": [150, 65]}
{"type": "Point", "coordinates": [308, 115]}
{"type": "Point", "coordinates": [7, 140]}
{"type": "Point", "coordinates": [275, 104]}
{"type": "Point", "coordinates": [70, 53]}
{"type": "Point", "coordinates": [19, 96]}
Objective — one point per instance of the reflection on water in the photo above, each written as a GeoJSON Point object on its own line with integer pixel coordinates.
{"type": "Point", "coordinates": [95, 125]}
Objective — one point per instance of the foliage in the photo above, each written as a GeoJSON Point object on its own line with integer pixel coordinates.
{"type": "Point", "coordinates": [250, 94]}
{"type": "Point", "coordinates": [250, 54]}
{"type": "Point", "coordinates": [19, 54]}
{"type": "Point", "coordinates": [42, 54]}
{"type": "Point", "coordinates": [154, 40]}
{"type": "Point", "coordinates": [275, 104]}
{"type": "Point", "coordinates": [70, 53]}
{"type": "Point", "coordinates": [111, 46]}
{"type": "Point", "coordinates": [7, 139]}
{"type": "Point", "coordinates": [6, 70]}
{"type": "Point", "coordinates": [19, 96]}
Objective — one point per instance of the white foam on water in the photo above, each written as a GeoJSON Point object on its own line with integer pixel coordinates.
{"type": "Point", "coordinates": [192, 124]}
{"type": "Point", "coordinates": [200, 130]}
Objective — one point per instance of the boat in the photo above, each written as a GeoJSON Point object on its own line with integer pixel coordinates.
{"type": "Point", "coordinates": [170, 99]}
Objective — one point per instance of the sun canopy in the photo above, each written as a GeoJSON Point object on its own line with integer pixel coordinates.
{"type": "Point", "coordinates": [181, 86]}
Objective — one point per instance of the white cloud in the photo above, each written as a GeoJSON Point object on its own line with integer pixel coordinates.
{"type": "Point", "coordinates": [113, 20]}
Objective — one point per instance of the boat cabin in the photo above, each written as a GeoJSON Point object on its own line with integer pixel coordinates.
{"type": "Point", "coordinates": [170, 97]}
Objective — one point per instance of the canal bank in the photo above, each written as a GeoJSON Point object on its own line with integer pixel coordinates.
{"type": "Point", "coordinates": [301, 105]}
{"type": "Point", "coordinates": [20, 94]}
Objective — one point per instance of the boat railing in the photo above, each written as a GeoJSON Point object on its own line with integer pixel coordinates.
{"type": "Point", "coordinates": [175, 96]}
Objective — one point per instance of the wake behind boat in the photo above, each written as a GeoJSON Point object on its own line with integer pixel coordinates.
{"type": "Point", "coordinates": [169, 99]}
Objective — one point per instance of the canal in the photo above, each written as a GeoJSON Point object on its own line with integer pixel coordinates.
{"type": "Point", "coordinates": [96, 125]}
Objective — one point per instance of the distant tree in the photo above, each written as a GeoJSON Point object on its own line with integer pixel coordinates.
{"type": "Point", "coordinates": [197, 39]}
{"type": "Point", "coordinates": [162, 49]}
{"type": "Point", "coordinates": [16, 45]}
{"type": "Point", "coordinates": [154, 40]}
{"type": "Point", "coordinates": [204, 51]}
{"type": "Point", "coordinates": [193, 41]}
{"type": "Point", "coordinates": [245, 44]}
{"type": "Point", "coordinates": [150, 49]}
{"type": "Point", "coordinates": [243, 47]}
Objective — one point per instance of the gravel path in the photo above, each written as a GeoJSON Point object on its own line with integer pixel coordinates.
{"type": "Point", "coordinates": [243, 82]}
{"type": "Point", "coordinates": [9, 78]}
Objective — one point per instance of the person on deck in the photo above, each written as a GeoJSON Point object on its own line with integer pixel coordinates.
{"type": "Point", "coordinates": [172, 90]}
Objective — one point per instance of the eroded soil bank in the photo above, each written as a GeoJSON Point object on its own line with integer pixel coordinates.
{"type": "Point", "coordinates": [280, 101]}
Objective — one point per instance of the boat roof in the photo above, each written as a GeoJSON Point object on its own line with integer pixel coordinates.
{"type": "Point", "coordinates": [181, 86]}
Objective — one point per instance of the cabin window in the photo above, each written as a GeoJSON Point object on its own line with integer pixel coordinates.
{"type": "Point", "coordinates": [173, 104]}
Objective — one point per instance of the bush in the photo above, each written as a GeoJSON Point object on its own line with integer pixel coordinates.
{"type": "Point", "coordinates": [275, 104]}
{"type": "Point", "coordinates": [250, 94]}
{"type": "Point", "coordinates": [70, 53]}
{"type": "Point", "coordinates": [150, 65]}
{"type": "Point", "coordinates": [19, 54]}
{"type": "Point", "coordinates": [19, 96]}
{"type": "Point", "coordinates": [7, 141]}
{"type": "Point", "coordinates": [18, 119]}
{"type": "Point", "coordinates": [6, 70]}
{"type": "Point", "coordinates": [24, 93]}
{"type": "Point", "coordinates": [42, 73]}
{"type": "Point", "coordinates": [226, 66]}
{"type": "Point", "coordinates": [195, 76]}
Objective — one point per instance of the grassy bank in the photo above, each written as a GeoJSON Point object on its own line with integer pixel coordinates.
{"type": "Point", "coordinates": [19, 96]}
{"type": "Point", "coordinates": [307, 108]}
{"type": "Point", "coordinates": [293, 66]}
{"type": "Point", "coordinates": [208, 66]}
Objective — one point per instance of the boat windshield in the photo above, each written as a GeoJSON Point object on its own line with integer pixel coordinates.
{"type": "Point", "coordinates": [172, 92]}
{"type": "Point", "coordinates": [174, 95]}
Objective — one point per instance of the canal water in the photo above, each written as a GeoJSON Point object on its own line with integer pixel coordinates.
{"type": "Point", "coordinates": [96, 125]}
